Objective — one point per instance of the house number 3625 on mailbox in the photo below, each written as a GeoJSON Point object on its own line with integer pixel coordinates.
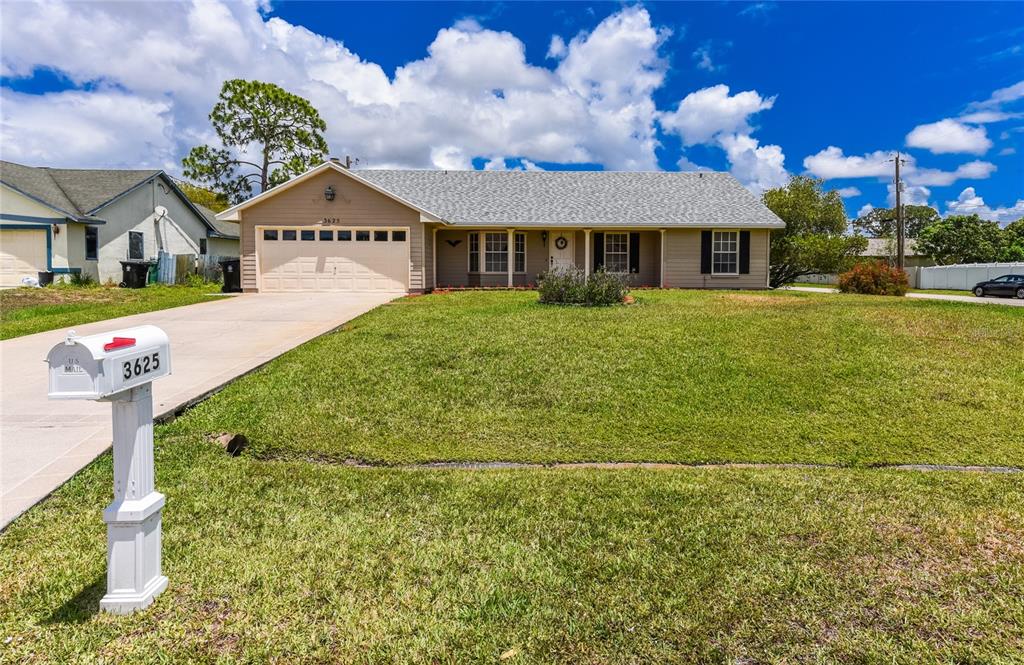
{"type": "Point", "coordinates": [119, 368]}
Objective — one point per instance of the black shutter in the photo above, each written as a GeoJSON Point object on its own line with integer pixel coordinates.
{"type": "Point", "coordinates": [634, 252]}
{"type": "Point", "coordinates": [705, 252]}
{"type": "Point", "coordinates": [744, 252]}
{"type": "Point", "coordinates": [598, 251]}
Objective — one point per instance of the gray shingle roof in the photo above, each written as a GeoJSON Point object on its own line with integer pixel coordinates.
{"type": "Point", "coordinates": [583, 198]}
{"type": "Point", "coordinates": [887, 247]}
{"type": "Point", "coordinates": [223, 228]}
{"type": "Point", "coordinates": [76, 192]}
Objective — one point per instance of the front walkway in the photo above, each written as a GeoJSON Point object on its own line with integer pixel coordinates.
{"type": "Point", "coordinates": [1013, 302]}
{"type": "Point", "coordinates": [43, 443]}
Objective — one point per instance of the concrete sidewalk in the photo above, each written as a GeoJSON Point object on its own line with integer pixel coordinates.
{"type": "Point", "coordinates": [1013, 302]}
{"type": "Point", "coordinates": [43, 442]}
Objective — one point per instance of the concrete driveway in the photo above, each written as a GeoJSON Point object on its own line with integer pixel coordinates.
{"type": "Point", "coordinates": [43, 443]}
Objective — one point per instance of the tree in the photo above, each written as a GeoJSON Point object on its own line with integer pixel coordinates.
{"type": "Point", "coordinates": [881, 222]}
{"type": "Point", "coordinates": [1013, 242]}
{"type": "Point", "coordinates": [203, 196]}
{"type": "Point", "coordinates": [282, 130]}
{"type": "Point", "coordinates": [814, 240]}
{"type": "Point", "coordinates": [961, 239]}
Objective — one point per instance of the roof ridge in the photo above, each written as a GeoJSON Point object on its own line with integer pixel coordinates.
{"type": "Point", "coordinates": [77, 210]}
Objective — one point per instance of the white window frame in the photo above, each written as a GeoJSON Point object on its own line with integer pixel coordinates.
{"type": "Point", "coordinates": [143, 236]}
{"type": "Point", "coordinates": [474, 248]}
{"type": "Point", "coordinates": [717, 236]}
{"type": "Point", "coordinates": [517, 242]}
{"type": "Point", "coordinates": [624, 253]}
{"type": "Point", "coordinates": [500, 238]}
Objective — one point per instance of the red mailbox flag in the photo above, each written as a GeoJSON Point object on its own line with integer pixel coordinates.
{"type": "Point", "coordinates": [119, 343]}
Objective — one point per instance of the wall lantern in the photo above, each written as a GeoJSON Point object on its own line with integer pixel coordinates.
{"type": "Point", "coordinates": [544, 238]}
{"type": "Point", "coordinates": [329, 193]}
{"type": "Point", "coordinates": [56, 230]}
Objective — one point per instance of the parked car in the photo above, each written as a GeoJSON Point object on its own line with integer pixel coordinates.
{"type": "Point", "coordinates": [1007, 285]}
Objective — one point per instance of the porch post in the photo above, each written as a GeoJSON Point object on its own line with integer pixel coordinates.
{"type": "Point", "coordinates": [511, 254]}
{"type": "Point", "coordinates": [433, 255]}
{"type": "Point", "coordinates": [586, 252]}
{"type": "Point", "coordinates": [661, 272]}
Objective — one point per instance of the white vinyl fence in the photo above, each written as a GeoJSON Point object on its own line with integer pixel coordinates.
{"type": "Point", "coordinates": [964, 276]}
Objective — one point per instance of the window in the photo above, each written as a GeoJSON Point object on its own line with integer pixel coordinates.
{"type": "Point", "coordinates": [202, 245]}
{"type": "Point", "coordinates": [380, 236]}
{"type": "Point", "coordinates": [269, 234]}
{"type": "Point", "coordinates": [308, 235]}
{"type": "Point", "coordinates": [326, 235]}
{"type": "Point", "coordinates": [136, 245]}
{"type": "Point", "coordinates": [92, 243]}
{"type": "Point", "coordinates": [474, 252]}
{"type": "Point", "coordinates": [725, 252]}
{"type": "Point", "coordinates": [345, 235]}
{"type": "Point", "coordinates": [288, 234]}
{"type": "Point", "coordinates": [616, 252]}
{"type": "Point", "coordinates": [520, 250]}
{"type": "Point", "coordinates": [362, 236]}
{"type": "Point", "coordinates": [398, 236]}
{"type": "Point", "coordinates": [496, 252]}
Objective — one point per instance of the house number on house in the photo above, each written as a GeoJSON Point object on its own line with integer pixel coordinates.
{"type": "Point", "coordinates": [331, 220]}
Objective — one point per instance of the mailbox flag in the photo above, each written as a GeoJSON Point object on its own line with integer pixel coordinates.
{"type": "Point", "coordinates": [119, 343]}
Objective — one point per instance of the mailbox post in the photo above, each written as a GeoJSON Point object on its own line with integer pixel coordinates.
{"type": "Point", "coordinates": [119, 368]}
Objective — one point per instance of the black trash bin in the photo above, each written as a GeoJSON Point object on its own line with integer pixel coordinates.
{"type": "Point", "coordinates": [45, 278]}
{"type": "Point", "coordinates": [232, 276]}
{"type": "Point", "coordinates": [134, 273]}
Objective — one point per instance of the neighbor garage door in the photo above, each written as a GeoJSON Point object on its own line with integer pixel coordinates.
{"type": "Point", "coordinates": [22, 254]}
{"type": "Point", "coordinates": [314, 258]}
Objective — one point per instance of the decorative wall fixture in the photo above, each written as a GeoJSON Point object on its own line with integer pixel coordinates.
{"type": "Point", "coordinates": [329, 193]}
{"type": "Point", "coordinates": [453, 243]}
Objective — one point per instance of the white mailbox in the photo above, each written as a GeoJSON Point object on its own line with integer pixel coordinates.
{"type": "Point", "coordinates": [99, 366]}
{"type": "Point", "coordinates": [119, 368]}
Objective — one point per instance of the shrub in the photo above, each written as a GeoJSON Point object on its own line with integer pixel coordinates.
{"type": "Point", "coordinates": [82, 279]}
{"type": "Point", "coordinates": [569, 286]}
{"type": "Point", "coordinates": [874, 278]}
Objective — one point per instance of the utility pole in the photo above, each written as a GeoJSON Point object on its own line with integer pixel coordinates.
{"type": "Point", "coordinates": [900, 228]}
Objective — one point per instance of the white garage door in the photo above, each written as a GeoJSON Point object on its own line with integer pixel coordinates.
{"type": "Point", "coordinates": [315, 258]}
{"type": "Point", "coordinates": [22, 254]}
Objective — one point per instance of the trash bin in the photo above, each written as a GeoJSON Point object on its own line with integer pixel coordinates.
{"type": "Point", "coordinates": [133, 274]}
{"type": "Point", "coordinates": [232, 276]}
{"type": "Point", "coordinates": [45, 278]}
{"type": "Point", "coordinates": [152, 273]}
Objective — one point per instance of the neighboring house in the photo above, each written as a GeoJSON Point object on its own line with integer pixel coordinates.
{"type": "Point", "coordinates": [88, 220]}
{"type": "Point", "coordinates": [333, 229]}
{"type": "Point", "coordinates": [885, 249]}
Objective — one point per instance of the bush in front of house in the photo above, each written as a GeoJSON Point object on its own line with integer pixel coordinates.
{"type": "Point", "coordinates": [570, 286]}
{"type": "Point", "coordinates": [875, 278]}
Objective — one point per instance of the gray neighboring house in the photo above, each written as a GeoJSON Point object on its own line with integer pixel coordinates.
{"type": "Point", "coordinates": [87, 221]}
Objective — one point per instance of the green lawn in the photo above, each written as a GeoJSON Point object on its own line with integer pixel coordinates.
{"type": "Point", "coordinates": [680, 376]}
{"type": "Point", "coordinates": [282, 553]}
{"type": "Point", "coordinates": [322, 563]}
{"type": "Point", "coordinates": [24, 311]}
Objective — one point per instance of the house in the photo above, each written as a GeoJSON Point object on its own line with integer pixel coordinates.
{"type": "Point", "coordinates": [885, 249]}
{"type": "Point", "coordinates": [335, 229]}
{"type": "Point", "coordinates": [87, 220]}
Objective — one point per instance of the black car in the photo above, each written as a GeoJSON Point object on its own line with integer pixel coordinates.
{"type": "Point", "coordinates": [1007, 285]}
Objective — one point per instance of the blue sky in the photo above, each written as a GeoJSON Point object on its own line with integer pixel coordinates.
{"type": "Point", "coordinates": [765, 90]}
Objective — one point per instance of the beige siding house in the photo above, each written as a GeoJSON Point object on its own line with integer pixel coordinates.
{"type": "Point", "coordinates": [335, 229]}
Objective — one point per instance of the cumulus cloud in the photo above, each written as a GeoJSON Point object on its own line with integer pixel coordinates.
{"type": "Point", "coordinates": [832, 163]}
{"type": "Point", "coordinates": [702, 56]}
{"type": "Point", "coordinates": [865, 209]}
{"type": "Point", "coordinates": [473, 94]}
{"type": "Point", "coordinates": [970, 203]}
{"type": "Point", "coordinates": [913, 195]}
{"type": "Point", "coordinates": [848, 192]}
{"type": "Point", "coordinates": [949, 136]}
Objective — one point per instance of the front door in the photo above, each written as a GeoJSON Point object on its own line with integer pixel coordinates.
{"type": "Point", "coordinates": [560, 250]}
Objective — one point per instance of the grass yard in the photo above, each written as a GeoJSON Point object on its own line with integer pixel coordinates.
{"type": "Point", "coordinates": [284, 554]}
{"type": "Point", "coordinates": [24, 311]}
{"type": "Point", "coordinates": [321, 563]}
{"type": "Point", "coordinates": [684, 376]}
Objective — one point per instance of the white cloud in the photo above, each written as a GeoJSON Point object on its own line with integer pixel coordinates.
{"type": "Point", "coordinates": [969, 203]}
{"type": "Point", "coordinates": [848, 192]}
{"type": "Point", "coordinates": [1001, 96]}
{"type": "Point", "coordinates": [557, 48]}
{"type": "Point", "coordinates": [472, 95]}
{"type": "Point", "coordinates": [913, 195]}
{"type": "Point", "coordinates": [713, 116]}
{"type": "Point", "coordinates": [709, 112]}
{"type": "Point", "coordinates": [985, 117]}
{"type": "Point", "coordinates": [865, 209]}
{"type": "Point", "coordinates": [1007, 151]}
{"type": "Point", "coordinates": [831, 163]}
{"type": "Point", "coordinates": [702, 56]}
{"type": "Point", "coordinates": [949, 136]}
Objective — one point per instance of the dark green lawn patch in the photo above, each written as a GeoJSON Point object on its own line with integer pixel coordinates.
{"type": "Point", "coordinates": [679, 376]}
{"type": "Point", "coordinates": [319, 563]}
{"type": "Point", "coordinates": [25, 311]}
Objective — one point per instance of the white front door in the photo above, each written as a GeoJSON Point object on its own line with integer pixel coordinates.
{"type": "Point", "coordinates": [560, 249]}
